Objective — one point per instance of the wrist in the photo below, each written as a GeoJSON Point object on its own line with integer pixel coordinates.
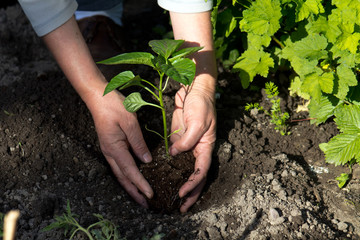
{"type": "Point", "coordinates": [91, 91]}
{"type": "Point", "coordinates": [204, 83]}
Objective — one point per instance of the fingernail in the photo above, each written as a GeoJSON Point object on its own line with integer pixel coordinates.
{"type": "Point", "coordinates": [147, 157]}
{"type": "Point", "coordinates": [148, 195]}
{"type": "Point", "coordinates": [174, 151]}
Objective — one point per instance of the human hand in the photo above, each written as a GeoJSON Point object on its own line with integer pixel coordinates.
{"type": "Point", "coordinates": [195, 116]}
{"type": "Point", "coordinates": [118, 130]}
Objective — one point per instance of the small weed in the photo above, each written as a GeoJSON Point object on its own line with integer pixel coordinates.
{"type": "Point", "coordinates": [250, 106]}
{"type": "Point", "coordinates": [101, 230]}
{"type": "Point", "coordinates": [344, 178]}
{"type": "Point", "coordinates": [8, 113]}
{"type": "Point", "coordinates": [278, 118]}
{"type": "Point", "coordinates": [22, 151]}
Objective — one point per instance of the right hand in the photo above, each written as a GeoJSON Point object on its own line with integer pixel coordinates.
{"type": "Point", "coordinates": [118, 130]}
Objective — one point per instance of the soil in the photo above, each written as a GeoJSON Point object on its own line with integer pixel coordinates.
{"type": "Point", "coordinates": [261, 185]}
{"type": "Point", "coordinates": [166, 174]}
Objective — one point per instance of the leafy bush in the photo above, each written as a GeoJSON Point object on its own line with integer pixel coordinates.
{"type": "Point", "coordinates": [318, 40]}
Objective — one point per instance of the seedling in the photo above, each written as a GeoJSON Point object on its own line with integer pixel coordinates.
{"type": "Point", "coordinates": [277, 116]}
{"type": "Point", "coordinates": [344, 178]}
{"type": "Point", "coordinates": [170, 62]}
{"type": "Point", "coordinates": [103, 229]}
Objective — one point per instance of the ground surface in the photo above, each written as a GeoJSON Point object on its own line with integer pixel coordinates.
{"type": "Point", "coordinates": [261, 186]}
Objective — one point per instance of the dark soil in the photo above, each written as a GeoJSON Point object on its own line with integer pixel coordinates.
{"type": "Point", "coordinates": [166, 175]}
{"type": "Point", "coordinates": [261, 185]}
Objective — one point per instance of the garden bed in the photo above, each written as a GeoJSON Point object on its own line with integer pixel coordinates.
{"type": "Point", "coordinates": [261, 185]}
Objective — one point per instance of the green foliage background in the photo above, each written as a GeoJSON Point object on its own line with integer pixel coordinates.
{"type": "Point", "coordinates": [316, 39]}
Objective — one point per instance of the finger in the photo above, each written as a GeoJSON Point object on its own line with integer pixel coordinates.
{"type": "Point", "coordinates": [126, 163]}
{"type": "Point", "coordinates": [130, 188]}
{"type": "Point", "coordinates": [197, 180]}
{"type": "Point", "coordinates": [189, 139]}
{"type": "Point", "coordinates": [202, 153]}
{"type": "Point", "coordinates": [193, 197]}
{"type": "Point", "coordinates": [194, 180]}
{"type": "Point", "coordinates": [137, 142]}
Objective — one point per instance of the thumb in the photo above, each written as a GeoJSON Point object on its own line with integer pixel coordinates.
{"type": "Point", "coordinates": [187, 141]}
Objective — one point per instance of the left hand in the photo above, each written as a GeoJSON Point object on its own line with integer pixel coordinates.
{"type": "Point", "coordinates": [195, 116]}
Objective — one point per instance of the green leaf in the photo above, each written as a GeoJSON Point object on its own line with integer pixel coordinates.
{"type": "Point", "coordinates": [257, 41]}
{"type": "Point", "coordinates": [349, 40]}
{"type": "Point", "coordinates": [345, 18]}
{"type": "Point", "coordinates": [341, 148]}
{"type": "Point", "coordinates": [97, 233]}
{"type": "Point", "coordinates": [130, 58]}
{"type": "Point", "coordinates": [262, 17]}
{"type": "Point", "coordinates": [182, 70]}
{"type": "Point", "coordinates": [304, 67]}
{"type": "Point", "coordinates": [232, 26]}
{"type": "Point", "coordinates": [233, 55]}
{"type": "Point", "coordinates": [165, 47]}
{"type": "Point", "coordinates": [347, 78]}
{"type": "Point", "coordinates": [342, 179]}
{"type": "Point", "coordinates": [123, 80]}
{"type": "Point", "coordinates": [184, 52]}
{"type": "Point", "coordinates": [134, 102]}
{"type": "Point", "coordinates": [158, 62]}
{"type": "Point", "coordinates": [295, 88]}
{"type": "Point", "coordinates": [304, 56]}
{"type": "Point", "coordinates": [225, 22]}
{"type": "Point", "coordinates": [322, 109]}
{"type": "Point", "coordinates": [311, 85]}
{"type": "Point", "coordinates": [348, 119]}
{"type": "Point", "coordinates": [311, 47]}
{"type": "Point", "coordinates": [324, 26]}
{"type": "Point", "coordinates": [251, 63]}
{"type": "Point", "coordinates": [342, 3]}
{"type": "Point", "coordinates": [305, 8]}
{"type": "Point", "coordinates": [345, 146]}
{"type": "Point", "coordinates": [326, 81]}
{"type": "Point", "coordinates": [345, 56]}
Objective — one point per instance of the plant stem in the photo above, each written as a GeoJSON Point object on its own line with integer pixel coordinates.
{"type": "Point", "coordinates": [147, 89]}
{"type": "Point", "coordinates": [163, 114]}
{"type": "Point", "coordinates": [80, 228]}
{"type": "Point", "coordinates": [278, 42]}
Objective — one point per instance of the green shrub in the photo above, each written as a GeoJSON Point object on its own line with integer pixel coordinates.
{"type": "Point", "coordinates": [317, 40]}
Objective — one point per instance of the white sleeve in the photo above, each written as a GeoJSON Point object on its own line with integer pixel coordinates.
{"type": "Point", "coordinates": [186, 6]}
{"type": "Point", "coordinates": [47, 15]}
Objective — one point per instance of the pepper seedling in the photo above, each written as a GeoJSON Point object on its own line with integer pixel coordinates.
{"type": "Point", "coordinates": [170, 62]}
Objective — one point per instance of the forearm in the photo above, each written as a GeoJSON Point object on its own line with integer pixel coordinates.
{"type": "Point", "coordinates": [72, 54]}
{"type": "Point", "coordinates": [196, 30]}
